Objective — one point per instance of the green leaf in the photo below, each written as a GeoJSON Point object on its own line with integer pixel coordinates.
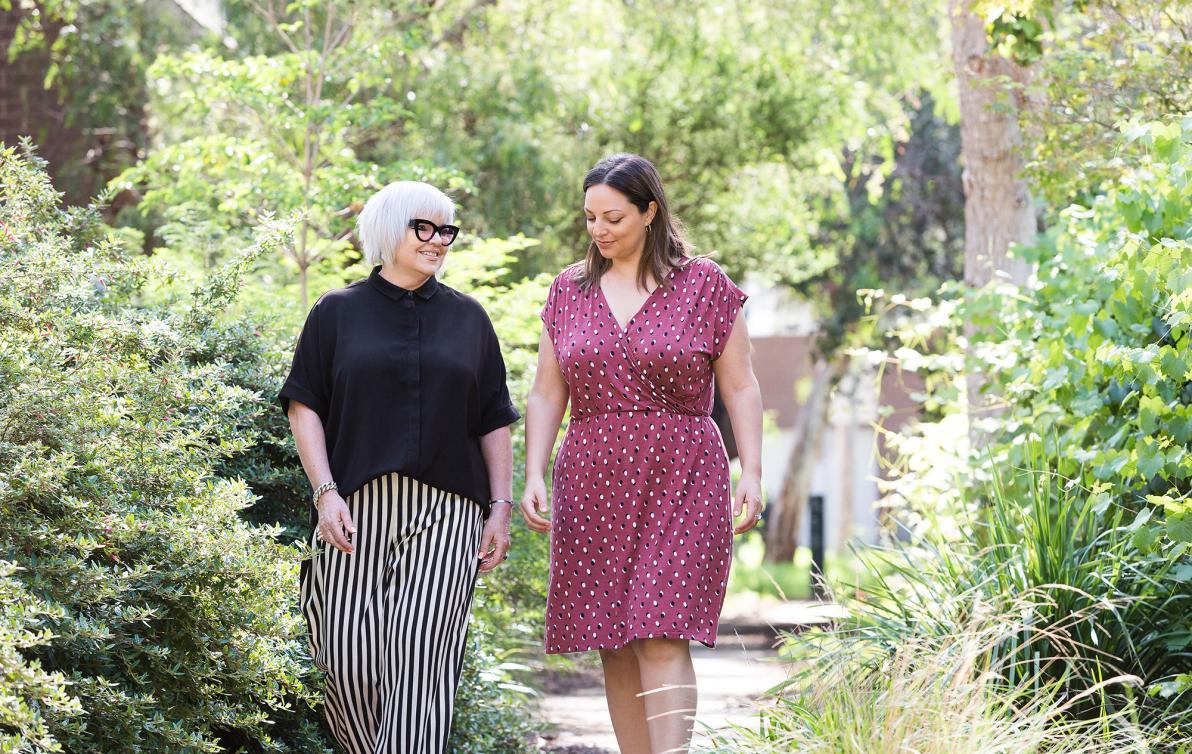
{"type": "Point", "coordinates": [1178, 641]}
{"type": "Point", "coordinates": [1140, 519]}
{"type": "Point", "coordinates": [1180, 428]}
{"type": "Point", "coordinates": [1144, 538]}
{"type": "Point", "coordinates": [1179, 527]}
{"type": "Point", "coordinates": [1107, 326]}
{"type": "Point", "coordinates": [1114, 462]}
{"type": "Point", "coordinates": [1172, 365]}
{"type": "Point", "coordinates": [1150, 460]}
{"type": "Point", "coordinates": [1149, 409]}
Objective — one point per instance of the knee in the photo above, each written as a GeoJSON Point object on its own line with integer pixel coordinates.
{"type": "Point", "coordinates": [660, 651]}
{"type": "Point", "coordinates": [621, 656]}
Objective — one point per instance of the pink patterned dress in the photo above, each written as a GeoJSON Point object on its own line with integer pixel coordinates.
{"type": "Point", "coordinates": [641, 531]}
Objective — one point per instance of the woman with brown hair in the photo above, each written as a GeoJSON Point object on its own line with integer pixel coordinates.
{"type": "Point", "coordinates": [641, 528]}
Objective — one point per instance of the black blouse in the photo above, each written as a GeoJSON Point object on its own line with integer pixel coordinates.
{"type": "Point", "coordinates": [404, 381]}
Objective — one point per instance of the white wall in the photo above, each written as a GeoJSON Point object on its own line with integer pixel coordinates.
{"type": "Point", "coordinates": [845, 470]}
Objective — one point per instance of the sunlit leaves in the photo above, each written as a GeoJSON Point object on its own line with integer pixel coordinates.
{"type": "Point", "coordinates": [172, 618]}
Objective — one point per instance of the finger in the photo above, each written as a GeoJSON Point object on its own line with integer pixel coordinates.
{"type": "Point", "coordinates": [538, 523]}
{"type": "Point", "coordinates": [486, 544]}
{"type": "Point", "coordinates": [753, 515]}
{"type": "Point", "coordinates": [494, 558]}
{"type": "Point", "coordinates": [333, 533]}
{"type": "Point", "coordinates": [540, 503]}
{"type": "Point", "coordinates": [738, 501]}
{"type": "Point", "coordinates": [345, 526]}
{"type": "Point", "coordinates": [532, 519]}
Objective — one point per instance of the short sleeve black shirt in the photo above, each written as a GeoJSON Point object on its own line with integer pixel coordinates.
{"type": "Point", "coordinates": [404, 381]}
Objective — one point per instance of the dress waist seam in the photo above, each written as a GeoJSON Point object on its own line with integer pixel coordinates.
{"type": "Point", "coordinates": [575, 418]}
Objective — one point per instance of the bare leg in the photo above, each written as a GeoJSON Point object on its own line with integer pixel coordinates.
{"type": "Point", "coordinates": [622, 689]}
{"type": "Point", "coordinates": [670, 713]}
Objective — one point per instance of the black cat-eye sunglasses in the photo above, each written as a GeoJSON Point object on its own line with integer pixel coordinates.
{"type": "Point", "coordinates": [425, 230]}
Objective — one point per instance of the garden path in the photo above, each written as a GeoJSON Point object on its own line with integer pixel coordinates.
{"type": "Point", "coordinates": [732, 677]}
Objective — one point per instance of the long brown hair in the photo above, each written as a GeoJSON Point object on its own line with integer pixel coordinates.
{"type": "Point", "coordinates": [666, 244]}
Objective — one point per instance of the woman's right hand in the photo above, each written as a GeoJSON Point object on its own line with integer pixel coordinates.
{"type": "Point", "coordinates": [534, 503]}
{"type": "Point", "coordinates": [335, 522]}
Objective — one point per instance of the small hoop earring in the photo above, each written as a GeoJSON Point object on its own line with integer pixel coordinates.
{"type": "Point", "coordinates": [647, 227]}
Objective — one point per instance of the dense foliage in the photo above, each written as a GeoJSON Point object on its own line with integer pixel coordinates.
{"type": "Point", "coordinates": [1082, 492]}
{"type": "Point", "coordinates": [1042, 600]}
{"type": "Point", "coordinates": [1101, 63]}
{"type": "Point", "coordinates": [171, 618]}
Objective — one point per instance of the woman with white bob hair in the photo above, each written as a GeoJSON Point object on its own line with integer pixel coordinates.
{"type": "Point", "coordinates": [399, 408]}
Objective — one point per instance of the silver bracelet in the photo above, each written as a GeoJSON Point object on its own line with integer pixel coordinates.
{"type": "Point", "coordinates": [500, 500]}
{"type": "Point", "coordinates": [321, 489]}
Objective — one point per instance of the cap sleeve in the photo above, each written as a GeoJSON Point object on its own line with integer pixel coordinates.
{"type": "Point", "coordinates": [493, 409]}
{"type": "Point", "coordinates": [724, 300]}
{"type": "Point", "coordinates": [308, 381]}
{"type": "Point", "coordinates": [556, 302]}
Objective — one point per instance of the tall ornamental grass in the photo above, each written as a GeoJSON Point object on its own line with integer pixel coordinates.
{"type": "Point", "coordinates": [929, 694]}
{"type": "Point", "coordinates": [1029, 633]}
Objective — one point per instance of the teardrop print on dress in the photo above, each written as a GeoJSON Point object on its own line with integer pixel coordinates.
{"type": "Point", "coordinates": [641, 537]}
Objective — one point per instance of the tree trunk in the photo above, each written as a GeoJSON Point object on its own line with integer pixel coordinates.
{"type": "Point", "coordinates": [786, 513]}
{"type": "Point", "coordinates": [998, 209]}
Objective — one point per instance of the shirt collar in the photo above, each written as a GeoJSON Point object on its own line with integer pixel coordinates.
{"type": "Point", "coordinates": [396, 292]}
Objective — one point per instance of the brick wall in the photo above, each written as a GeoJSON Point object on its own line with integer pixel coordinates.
{"type": "Point", "coordinates": [27, 109]}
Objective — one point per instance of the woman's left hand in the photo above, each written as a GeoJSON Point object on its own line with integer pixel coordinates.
{"type": "Point", "coordinates": [748, 497]}
{"type": "Point", "coordinates": [494, 543]}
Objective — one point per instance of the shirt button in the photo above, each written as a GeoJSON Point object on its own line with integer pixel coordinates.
{"type": "Point", "coordinates": [407, 303]}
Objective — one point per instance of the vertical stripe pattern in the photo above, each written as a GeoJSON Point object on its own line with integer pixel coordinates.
{"type": "Point", "coordinates": [388, 622]}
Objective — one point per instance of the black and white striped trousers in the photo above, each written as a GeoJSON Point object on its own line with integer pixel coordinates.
{"type": "Point", "coordinates": [388, 622]}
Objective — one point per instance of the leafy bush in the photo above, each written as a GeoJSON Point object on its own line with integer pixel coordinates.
{"type": "Point", "coordinates": [1096, 361]}
{"type": "Point", "coordinates": [27, 688]}
{"type": "Point", "coordinates": [1083, 489]}
{"type": "Point", "coordinates": [172, 619]}
{"type": "Point", "coordinates": [490, 714]}
{"type": "Point", "coordinates": [1030, 632]}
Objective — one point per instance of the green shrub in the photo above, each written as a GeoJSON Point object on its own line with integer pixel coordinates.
{"type": "Point", "coordinates": [1029, 632]}
{"type": "Point", "coordinates": [1082, 492]}
{"type": "Point", "coordinates": [929, 693]}
{"type": "Point", "coordinates": [28, 689]}
{"type": "Point", "coordinates": [490, 716]}
{"type": "Point", "coordinates": [172, 619]}
{"type": "Point", "coordinates": [1082, 606]}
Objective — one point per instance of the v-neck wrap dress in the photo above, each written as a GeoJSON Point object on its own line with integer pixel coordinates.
{"type": "Point", "coordinates": [641, 531]}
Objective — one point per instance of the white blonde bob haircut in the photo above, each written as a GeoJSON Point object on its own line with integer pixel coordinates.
{"type": "Point", "coordinates": [387, 214]}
